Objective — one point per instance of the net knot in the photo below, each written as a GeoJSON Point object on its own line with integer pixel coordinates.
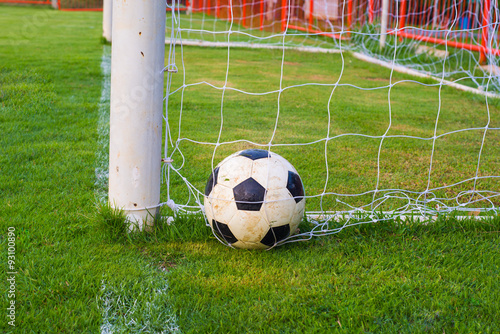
{"type": "Point", "coordinates": [171, 68]}
{"type": "Point", "coordinates": [171, 204]}
{"type": "Point", "coordinates": [167, 161]}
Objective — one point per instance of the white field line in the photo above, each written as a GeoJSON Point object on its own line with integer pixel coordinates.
{"type": "Point", "coordinates": [102, 155]}
{"type": "Point", "coordinates": [119, 305]}
{"type": "Point", "coordinates": [126, 310]}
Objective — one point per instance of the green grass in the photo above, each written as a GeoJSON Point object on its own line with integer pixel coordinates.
{"type": "Point", "coordinates": [382, 279]}
{"type": "Point", "coordinates": [78, 270]}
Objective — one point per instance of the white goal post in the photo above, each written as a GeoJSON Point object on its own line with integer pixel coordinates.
{"type": "Point", "coordinates": [107, 19]}
{"type": "Point", "coordinates": [138, 55]}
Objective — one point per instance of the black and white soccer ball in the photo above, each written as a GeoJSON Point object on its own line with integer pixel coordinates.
{"type": "Point", "coordinates": [254, 199]}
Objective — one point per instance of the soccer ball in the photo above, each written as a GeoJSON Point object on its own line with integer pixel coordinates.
{"type": "Point", "coordinates": [254, 199]}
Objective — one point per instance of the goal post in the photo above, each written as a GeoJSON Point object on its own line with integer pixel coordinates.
{"type": "Point", "coordinates": [383, 24]}
{"type": "Point", "coordinates": [107, 15]}
{"type": "Point", "coordinates": [137, 62]}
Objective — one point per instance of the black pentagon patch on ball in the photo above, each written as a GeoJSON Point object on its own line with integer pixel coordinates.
{"type": "Point", "coordinates": [249, 195]}
{"type": "Point", "coordinates": [223, 231]}
{"type": "Point", "coordinates": [294, 186]}
{"type": "Point", "coordinates": [276, 234]}
{"type": "Point", "coordinates": [255, 154]}
{"type": "Point", "coordinates": [212, 181]}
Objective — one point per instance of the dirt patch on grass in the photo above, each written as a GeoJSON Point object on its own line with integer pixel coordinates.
{"type": "Point", "coordinates": [327, 78]}
{"type": "Point", "coordinates": [408, 129]}
{"type": "Point", "coordinates": [377, 79]}
{"type": "Point", "coordinates": [243, 61]}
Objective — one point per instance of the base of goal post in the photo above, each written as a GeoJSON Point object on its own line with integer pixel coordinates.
{"type": "Point", "coordinates": [142, 220]}
{"type": "Point", "coordinates": [189, 42]}
{"type": "Point", "coordinates": [317, 216]}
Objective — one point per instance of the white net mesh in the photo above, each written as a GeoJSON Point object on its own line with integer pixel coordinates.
{"type": "Point", "coordinates": [370, 143]}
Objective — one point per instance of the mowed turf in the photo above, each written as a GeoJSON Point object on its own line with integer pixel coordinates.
{"type": "Point", "coordinates": [75, 275]}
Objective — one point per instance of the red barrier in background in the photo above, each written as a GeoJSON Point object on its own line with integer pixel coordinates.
{"type": "Point", "coordinates": [80, 5]}
{"type": "Point", "coordinates": [484, 36]}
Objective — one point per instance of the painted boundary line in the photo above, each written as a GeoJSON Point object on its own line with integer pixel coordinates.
{"type": "Point", "coordinates": [134, 307]}
{"type": "Point", "coordinates": [102, 154]}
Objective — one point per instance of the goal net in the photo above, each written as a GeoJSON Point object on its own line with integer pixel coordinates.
{"type": "Point", "coordinates": [359, 96]}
